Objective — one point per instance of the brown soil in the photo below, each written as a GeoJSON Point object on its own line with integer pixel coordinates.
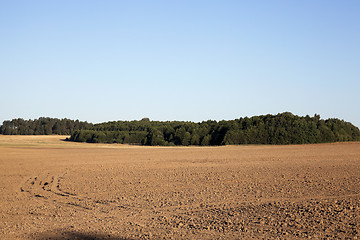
{"type": "Point", "coordinates": [52, 189]}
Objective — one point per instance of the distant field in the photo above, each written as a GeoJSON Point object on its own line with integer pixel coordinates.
{"type": "Point", "coordinates": [51, 188]}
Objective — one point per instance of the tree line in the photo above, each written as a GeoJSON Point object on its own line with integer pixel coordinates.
{"type": "Point", "coordinates": [42, 126]}
{"type": "Point", "coordinates": [283, 128]}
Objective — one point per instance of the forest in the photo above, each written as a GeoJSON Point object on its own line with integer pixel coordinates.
{"type": "Point", "coordinates": [42, 126]}
{"type": "Point", "coordinates": [283, 128]}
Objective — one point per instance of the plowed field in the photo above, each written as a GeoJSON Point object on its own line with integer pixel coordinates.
{"type": "Point", "coordinates": [52, 189]}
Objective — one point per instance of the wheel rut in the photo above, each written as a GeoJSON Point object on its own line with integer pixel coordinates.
{"type": "Point", "coordinates": [48, 188]}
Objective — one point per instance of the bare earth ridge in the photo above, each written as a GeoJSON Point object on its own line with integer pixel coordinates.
{"type": "Point", "coordinates": [52, 189]}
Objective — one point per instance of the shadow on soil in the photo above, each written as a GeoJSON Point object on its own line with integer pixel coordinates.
{"type": "Point", "coordinates": [70, 235]}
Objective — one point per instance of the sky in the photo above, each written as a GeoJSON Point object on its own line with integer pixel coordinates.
{"type": "Point", "coordinates": [195, 60]}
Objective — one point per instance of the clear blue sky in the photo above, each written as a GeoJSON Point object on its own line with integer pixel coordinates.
{"type": "Point", "coordinates": [179, 60]}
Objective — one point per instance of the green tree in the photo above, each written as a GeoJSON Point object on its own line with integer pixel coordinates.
{"type": "Point", "coordinates": [195, 139]}
{"type": "Point", "coordinates": [206, 140]}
